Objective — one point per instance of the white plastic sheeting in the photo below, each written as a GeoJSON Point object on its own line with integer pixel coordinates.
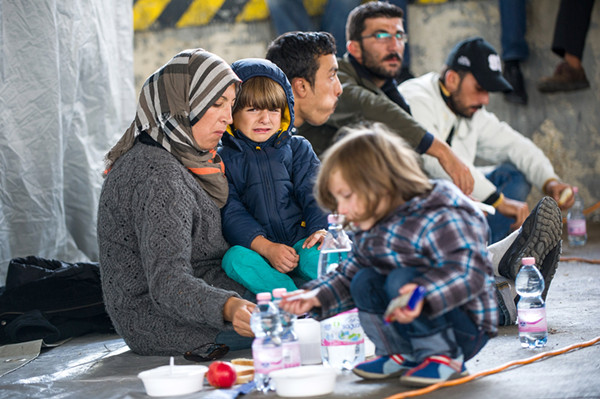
{"type": "Point", "coordinates": [66, 95]}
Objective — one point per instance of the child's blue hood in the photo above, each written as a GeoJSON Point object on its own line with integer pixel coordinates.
{"type": "Point", "coordinates": [250, 67]}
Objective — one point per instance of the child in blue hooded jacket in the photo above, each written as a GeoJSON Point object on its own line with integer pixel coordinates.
{"type": "Point", "coordinates": [271, 218]}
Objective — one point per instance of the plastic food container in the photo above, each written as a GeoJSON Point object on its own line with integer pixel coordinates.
{"type": "Point", "coordinates": [173, 380]}
{"type": "Point", "coordinates": [304, 381]}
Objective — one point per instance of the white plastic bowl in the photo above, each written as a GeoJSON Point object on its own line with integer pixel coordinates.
{"type": "Point", "coordinates": [173, 380]}
{"type": "Point", "coordinates": [304, 381]}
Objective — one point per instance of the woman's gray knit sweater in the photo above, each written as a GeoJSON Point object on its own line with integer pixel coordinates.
{"type": "Point", "coordinates": [161, 247]}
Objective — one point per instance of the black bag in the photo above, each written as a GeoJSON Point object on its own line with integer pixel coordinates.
{"type": "Point", "coordinates": [51, 300]}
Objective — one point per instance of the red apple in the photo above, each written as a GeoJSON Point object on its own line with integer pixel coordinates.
{"type": "Point", "coordinates": [221, 374]}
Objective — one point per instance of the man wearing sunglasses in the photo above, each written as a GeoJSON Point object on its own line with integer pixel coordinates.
{"type": "Point", "coordinates": [375, 45]}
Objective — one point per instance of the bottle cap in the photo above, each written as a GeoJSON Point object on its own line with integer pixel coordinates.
{"type": "Point", "coordinates": [575, 189]}
{"type": "Point", "coordinates": [528, 261]}
{"type": "Point", "coordinates": [278, 292]}
{"type": "Point", "coordinates": [263, 296]}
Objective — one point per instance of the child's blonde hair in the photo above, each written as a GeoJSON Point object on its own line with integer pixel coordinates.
{"type": "Point", "coordinates": [376, 164]}
{"type": "Point", "coordinates": [261, 92]}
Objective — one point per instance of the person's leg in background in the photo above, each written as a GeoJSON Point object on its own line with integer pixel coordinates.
{"type": "Point", "coordinates": [570, 32]}
{"type": "Point", "coordinates": [513, 25]}
{"type": "Point", "coordinates": [289, 15]}
{"type": "Point", "coordinates": [334, 21]}
{"type": "Point", "coordinates": [512, 183]}
{"type": "Point", "coordinates": [405, 72]}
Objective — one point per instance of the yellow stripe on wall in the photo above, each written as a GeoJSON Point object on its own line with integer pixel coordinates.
{"type": "Point", "coordinates": [200, 12]}
{"type": "Point", "coordinates": [254, 10]}
{"type": "Point", "coordinates": [145, 12]}
{"type": "Point", "coordinates": [148, 13]}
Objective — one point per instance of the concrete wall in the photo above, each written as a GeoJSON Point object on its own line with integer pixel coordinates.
{"type": "Point", "coordinates": [564, 125]}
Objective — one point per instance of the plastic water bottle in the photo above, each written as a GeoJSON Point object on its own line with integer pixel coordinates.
{"type": "Point", "coordinates": [531, 310]}
{"type": "Point", "coordinates": [289, 338]}
{"type": "Point", "coordinates": [342, 337]}
{"type": "Point", "coordinates": [267, 350]}
{"type": "Point", "coordinates": [336, 245]}
{"type": "Point", "coordinates": [576, 226]}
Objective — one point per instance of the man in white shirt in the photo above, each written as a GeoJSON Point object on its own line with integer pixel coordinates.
{"type": "Point", "coordinates": [450, 105]}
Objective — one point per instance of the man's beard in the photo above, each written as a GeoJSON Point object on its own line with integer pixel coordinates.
{"type": "Point", "coordinates": [457, 107]}
{"type": "Point", "coordinates": [378, 71]}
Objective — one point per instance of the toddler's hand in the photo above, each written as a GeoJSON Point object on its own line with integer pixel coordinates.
{"type": "Point", "coordinates": [300, 305]}
{"type": "Point", "coordinates": [283, 258]}
{"type": "Point", "coordinates": [405, 315]}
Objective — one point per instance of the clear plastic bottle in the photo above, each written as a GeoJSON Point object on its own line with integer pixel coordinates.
{"type": "Point", "coordinates": [267, 350]}
{"type": "Point", "coordinates": [342, 337]}
{"type": "Point", "coordinates": [336, 245]}
{"type": "Point", "coordinates": [576, 226]}
{"type": "Point", "coordinates": [289, 338]}
{"type": "Point", "coordinates": [531, 309]}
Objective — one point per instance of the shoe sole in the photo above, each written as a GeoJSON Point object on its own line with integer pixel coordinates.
{"type": "Point", "coordinates": [540, 233]}
{"type": "Point", "coordinates": [549, 266]}
{"type": "Point", "coordinates": [424, 382]}
{"type": "Point", "coordinates": [377, 376]}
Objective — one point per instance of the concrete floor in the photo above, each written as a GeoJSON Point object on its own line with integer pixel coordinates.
{"type": "Point", "coordinates": [101, 366]}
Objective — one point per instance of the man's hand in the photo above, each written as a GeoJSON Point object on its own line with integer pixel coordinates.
{"type": "Point", "coordinates": [238, 311]}
{"type": "Point", "coordinates": [456, 169]}
{"type": "Point", "coordinates": [556, 190]}
{"type": "Point", "coordinates": [284, 259]}
{"type": "Point", "coordinates": [514, 209]}
{"type": "Point", "coordinates": [316, 237]}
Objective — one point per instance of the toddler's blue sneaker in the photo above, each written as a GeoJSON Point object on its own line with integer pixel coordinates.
{"type": "Point", "coordinates": [383, 367]}
{"type": "Point", "coordinates": [434, 369]}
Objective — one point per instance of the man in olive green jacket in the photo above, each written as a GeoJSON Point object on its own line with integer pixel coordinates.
{"type": "Point", "coordinates": [375, 46]}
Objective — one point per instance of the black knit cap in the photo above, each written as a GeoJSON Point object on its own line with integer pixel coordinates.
{"type": "Point", "coordinates": [479, 57]}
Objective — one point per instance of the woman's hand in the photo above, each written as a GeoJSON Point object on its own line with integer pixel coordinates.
{"type": "Point", "coordinates": [299, 306]}
{"type": "Point", "coordinates": [238, 312]}
{"type": "Point", "coordinates": [316, 237]}
{"type": "Point", "coordinates": [405, 315]}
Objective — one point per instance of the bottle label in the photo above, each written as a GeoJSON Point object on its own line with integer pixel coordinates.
{"type": "Point", "coordinates": [532, 320]}
{"type": "Point", "coordinates": [267, 358]}
{"type": "Point", "coordinates": [576, 227]}
{"type": "Point", "coordinates": [343, 329]}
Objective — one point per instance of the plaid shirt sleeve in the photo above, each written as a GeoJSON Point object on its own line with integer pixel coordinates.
{"type": "Point", "coordinates": [458, 272]}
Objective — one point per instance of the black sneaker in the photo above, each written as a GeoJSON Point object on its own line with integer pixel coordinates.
{"type": "Point", "coordinates": [512, 73]}
{"type": "Point", "coordinates": [539, 235]}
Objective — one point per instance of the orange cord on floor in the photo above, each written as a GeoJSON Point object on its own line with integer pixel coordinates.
{"type": "Point", "coordinates": [459, 381]}
{"type": "Point", "coordinates": [576, 259]}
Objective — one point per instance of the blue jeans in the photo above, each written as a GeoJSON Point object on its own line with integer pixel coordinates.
{"type": "Point", "coordinates": [512, 183]}
{"type": "Point", "coordinates": [513, 24]}
{"type": "Point", "coordinates": [452, 334]}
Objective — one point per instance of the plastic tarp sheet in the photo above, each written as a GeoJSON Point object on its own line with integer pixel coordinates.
{"type": "Point", "coordinates": [66, 95]}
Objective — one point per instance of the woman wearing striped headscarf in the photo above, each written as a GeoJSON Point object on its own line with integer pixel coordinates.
{"type": "Point", "coordinates": [159, 223]}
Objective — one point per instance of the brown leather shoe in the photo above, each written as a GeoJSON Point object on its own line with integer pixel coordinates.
{"type": "Point", "coordinates": [565, 78]}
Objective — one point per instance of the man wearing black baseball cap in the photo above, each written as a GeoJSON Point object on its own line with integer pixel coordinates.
{"type": "Point", "coordinates": [450, 105]}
